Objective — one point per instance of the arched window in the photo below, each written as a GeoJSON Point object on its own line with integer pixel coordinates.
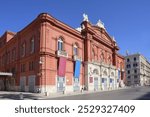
{"type": "Point", "coordinates": [32, 45]}
{"type": "Point", "coordinates": [60, 44]}
{"type": "Point", "coordinates": [75, 49]}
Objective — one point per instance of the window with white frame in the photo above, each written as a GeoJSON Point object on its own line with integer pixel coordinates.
{"type": "Point", "coordinates": [60, 44]}
{"type": "Point", "coordinates": [75, 50]}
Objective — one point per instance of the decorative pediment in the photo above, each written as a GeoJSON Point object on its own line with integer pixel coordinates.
{"type": "Point", "coordinates": [102, 33]}
{"type": "Point", "coordinates": [97, 32]}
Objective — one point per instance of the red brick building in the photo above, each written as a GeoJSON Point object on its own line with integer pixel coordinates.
{"type": "Point", "coordinates": [50, 56]}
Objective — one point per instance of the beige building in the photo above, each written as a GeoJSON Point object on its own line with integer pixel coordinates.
{"type": "Point", "coordinates": [137, 70]}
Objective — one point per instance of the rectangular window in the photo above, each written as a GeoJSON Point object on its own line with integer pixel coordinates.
{"type": "Point", "coordinates": [23, 47]}
{"type": "Point", "coordinates": [8, 58]}
{"type": "Point", "coordinates": [3, 60]}
{"type": "Point", "coordinates": [13, 70]}
{"type": "Point", "coordinates": [60, 45]}
{"type": "Point", "coordinates": [110, 80]}
{"type": "Point", "coordinates": [31, 66]}
{"type": "Point", "coordinates": [103, 80]}
{"type": "Point", "coordinates": [32, 45]}
{"type": "Point", "coordinates": [23, 68]}
{"type": "Point", "coordinates": [75, 51]}
{"type": "Point", "coordinates": [135, 76]}
{"type": "Point", "coordinates": [134, 58]}
{"type": "Point", "coordinates": [128, 66]}
{"type": "Point", "coordinates": [13, 54]}
{"type": "Point", "coordinates": [129, 82]}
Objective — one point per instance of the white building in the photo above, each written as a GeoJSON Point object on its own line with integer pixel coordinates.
{"type": "Point", "coordinates": [137, 70]}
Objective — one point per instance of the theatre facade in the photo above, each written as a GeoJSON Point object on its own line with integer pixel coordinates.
{"type": "Point", "coordinates": [48, 56]}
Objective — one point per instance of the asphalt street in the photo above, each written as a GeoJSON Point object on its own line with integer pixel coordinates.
{"type": "Point", "coordinates": [132, 93]}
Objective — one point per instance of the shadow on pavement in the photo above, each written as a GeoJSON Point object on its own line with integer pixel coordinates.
{"type": "Point", "coordinates": [144, 97]}
{"type": "Point", "coordinates": [18, 96]}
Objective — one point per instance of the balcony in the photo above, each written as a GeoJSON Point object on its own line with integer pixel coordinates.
{"type": "Point", "coordinates": [62, 53]}
{"type": "Point", "coordinates": [75, 57]}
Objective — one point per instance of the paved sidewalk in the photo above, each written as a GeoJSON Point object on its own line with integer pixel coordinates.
{"type": "Point", "coordinates": [10, 95]}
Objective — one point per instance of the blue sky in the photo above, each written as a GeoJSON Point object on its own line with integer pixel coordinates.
{"type": "Point", "coordinates": [127, 20]}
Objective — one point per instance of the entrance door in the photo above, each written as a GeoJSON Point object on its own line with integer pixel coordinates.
{"type": "Point", "coordinates": [31, 83]}
{"type": "Point", "coordinates": [60, 84]}
{"type": "Point", "coordinates": [22, 83]}
{"type": "Point", "coordinates": [105, 83]}
{"type": "Point", "coordinates": [95, 83]}
{"type": "Point", "coordinates": [2, 85]}
{"type": "Point", "coordinates": [76, 84]}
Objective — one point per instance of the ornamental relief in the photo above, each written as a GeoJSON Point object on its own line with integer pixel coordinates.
{"type": "Point", "coordinates": [96, 72]}
{"type": "Point", "coordinates": [109, 59]}
{"type": "Point", "coordinates": [105, 73]}
{"type": "Point", "coordinates": [112, 75]}
{"type": "Point", "coordinates": [89, 36]}
{"type": "Point", "coordinates": [93, 70]}
{"type": "Point", "coordinates": [90, 71]}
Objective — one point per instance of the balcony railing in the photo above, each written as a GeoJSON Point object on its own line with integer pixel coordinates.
{"type": "Point", "coordinates": [62, 53]}
{"type": "Point", "coordinates": [75, 57]}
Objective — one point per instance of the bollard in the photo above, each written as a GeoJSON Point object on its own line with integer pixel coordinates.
{"type": "Point", "coordinates": [82, 90]}
{"type": "Point", "coordinates": [46, 94]}
{"type": "Point", "coordinates": [21, 96]}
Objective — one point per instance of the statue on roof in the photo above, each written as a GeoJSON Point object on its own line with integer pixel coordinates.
{"type": "Point", "coordinates": [100, 24]}
{"type": "Point", "coordinates": [113, 38]}
{"type": "Point", "coordinates": [85, 17]}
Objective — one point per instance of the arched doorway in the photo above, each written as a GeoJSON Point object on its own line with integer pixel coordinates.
{"type": "Point", "coordinates": [96, 75]}
{"type": "Point", "coordinates": [5, 79]}
{"type": "Point", "coordinates": [104, 80]}
{"type": "Point", "coordinates": [112, 75]}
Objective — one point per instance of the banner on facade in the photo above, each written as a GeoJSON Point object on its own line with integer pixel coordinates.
{"type": "Point", "coordinates": [118, 74]}
{"type": "Point", "coordinates": [77, 69]}
{"type": "Point", "coordinates": [62, 67]}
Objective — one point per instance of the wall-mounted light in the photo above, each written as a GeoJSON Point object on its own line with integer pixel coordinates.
{"type": "Point", "coordinates": [41, 61]}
